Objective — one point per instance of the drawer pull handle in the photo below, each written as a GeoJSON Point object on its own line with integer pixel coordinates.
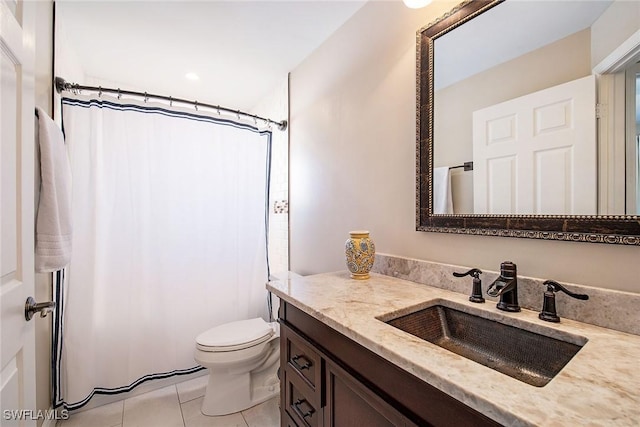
{"type": "Point", "coordinates": [305, 365]}
{"type": "Point", "coordinates": [304, 414]}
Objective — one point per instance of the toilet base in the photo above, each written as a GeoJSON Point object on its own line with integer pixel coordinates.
{"type": "Point", "coordinates": [240, 379]}
{"type": "Point", "coordinates": [227, 394]}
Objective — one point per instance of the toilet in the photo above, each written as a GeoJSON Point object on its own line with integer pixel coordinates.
{"type": "Point", "coordinates": [243, 359]}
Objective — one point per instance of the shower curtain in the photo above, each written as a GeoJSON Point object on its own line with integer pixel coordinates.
{"type": "Point", "coordinates": [170, 216]}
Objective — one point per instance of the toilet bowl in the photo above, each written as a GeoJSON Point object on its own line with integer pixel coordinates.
{"type": "Point", "coordinates": [243, 359]}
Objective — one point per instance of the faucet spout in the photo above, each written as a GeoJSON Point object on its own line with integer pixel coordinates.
{"type": "Point", "coordinates": [500, 286]}
{"type": "Point", "coordinates": [506, 287]}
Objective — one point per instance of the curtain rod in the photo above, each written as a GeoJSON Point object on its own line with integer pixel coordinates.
{"type": "Point", "coordinates": [63, 85]}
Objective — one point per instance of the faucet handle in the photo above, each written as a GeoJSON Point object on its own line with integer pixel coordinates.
{"type": "Point", "coordinates": [553, 286]}
{"type": "Point", "coordinates": [548, 312]}
{"type": "Point", "coordinates": [476, 292]}
{"type": "Point", "coordinates": [474, 272]}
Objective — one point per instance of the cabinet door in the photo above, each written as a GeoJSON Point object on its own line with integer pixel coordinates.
{"type": "Point", "coordinates": [350, 404]}
{"type": "Point", "coordinates": [286, 420]}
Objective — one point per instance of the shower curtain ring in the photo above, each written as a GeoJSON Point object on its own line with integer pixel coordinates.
{"type": "Point", "coordinates": [146, 98]}
{"type": "Point", "coordinates": [196, 105]}
{"type": "Point", "coordinates": [170, 101]}
{"type": "Point", "coordinates": [218, 109]}
{"type": "Point", "coordinates": [119, 93]}
{"type": "Point", "coordinates": [99, 91]}
{"type": "Point", "coordinates": [238, 114]}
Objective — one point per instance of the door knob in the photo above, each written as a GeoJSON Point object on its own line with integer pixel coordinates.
{"type": "Point", "coordinates": [31, 307]}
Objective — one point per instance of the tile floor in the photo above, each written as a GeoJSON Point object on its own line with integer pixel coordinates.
{"type": "Point", "coordinates": [173, 406]}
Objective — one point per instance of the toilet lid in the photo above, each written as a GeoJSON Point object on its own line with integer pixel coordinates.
{"type": "Point", "coordinates": [236, 334]}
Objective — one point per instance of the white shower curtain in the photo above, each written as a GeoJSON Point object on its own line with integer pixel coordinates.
{"type": "Point", "coordinates": [169, 218]}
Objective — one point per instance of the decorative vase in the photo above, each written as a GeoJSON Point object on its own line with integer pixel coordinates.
{"type": "Point", "coordinates": [360, 252]}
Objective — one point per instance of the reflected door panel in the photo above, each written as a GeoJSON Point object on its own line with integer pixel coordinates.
{"type": "Point", "coordinates": [536, 154]}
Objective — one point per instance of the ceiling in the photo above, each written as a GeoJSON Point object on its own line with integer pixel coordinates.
{"type": "Point", "coordinates": [508, 31]}
{"type": "Point", "coordinates": [240, 50]}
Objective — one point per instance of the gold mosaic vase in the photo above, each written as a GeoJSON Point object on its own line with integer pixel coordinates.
{"type": "Point", "coordinates": [360, 252]}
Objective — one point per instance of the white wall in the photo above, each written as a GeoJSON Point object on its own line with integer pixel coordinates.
{"type": "Point", "coordinates": [352, 138]}
{"type": "Point", "coordinates": [276, 107]}
{"type": "Point", "coordinates": [615, 25]}
{"type": "Point", "coordinates": [67, 65]}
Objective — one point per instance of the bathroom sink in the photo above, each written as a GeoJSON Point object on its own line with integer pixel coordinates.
{"type": "Point", "coordinates": [521, 354]}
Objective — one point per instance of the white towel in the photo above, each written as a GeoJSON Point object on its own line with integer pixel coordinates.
{"type": "Point", "coordinates": [442, 200]}
{"type": "Point", "coordinates": [53, 223]}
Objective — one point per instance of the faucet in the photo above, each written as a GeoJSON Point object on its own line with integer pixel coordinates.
{"type": "Point", "coordinates": [548, 312]}
{"type": "Point", "coordinates": [476, 293]}
{"type": "Point", "coordinates": [506, 287]}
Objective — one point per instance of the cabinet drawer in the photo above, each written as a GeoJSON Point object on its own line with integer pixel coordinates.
{"type": "Point", "coordinates": [302, 409]}
{"type": "Point", "coordinates": [302, 359]}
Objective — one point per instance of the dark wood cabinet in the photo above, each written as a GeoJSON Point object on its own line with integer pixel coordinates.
{"type": "Point", "coordinates": [286, 420]}
{"type": "Point", "coordinates": [302, 380]}
{"type": "Point", "coordinates": [329, 380]}
{"type": "Point", "coordinates": [350, 404]}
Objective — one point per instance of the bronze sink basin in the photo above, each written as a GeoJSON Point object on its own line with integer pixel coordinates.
{"type": "Point", "coordinates": [521, 354]}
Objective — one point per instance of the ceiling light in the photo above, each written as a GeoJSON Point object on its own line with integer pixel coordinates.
{"type": "Point", "coordinates": [192, 76]}
{"type": "Point", "coordinates": [416, 4]}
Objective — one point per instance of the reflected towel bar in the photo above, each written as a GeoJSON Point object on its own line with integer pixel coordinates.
{"type": "Point", "coordinates": [468, 166]}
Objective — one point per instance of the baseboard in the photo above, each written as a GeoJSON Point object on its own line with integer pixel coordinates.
{"type": "Point", "coordinates": [48, 422]}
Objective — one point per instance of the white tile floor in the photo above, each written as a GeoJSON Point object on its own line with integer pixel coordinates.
{"type": "Point", "coordinates": [174, 406]}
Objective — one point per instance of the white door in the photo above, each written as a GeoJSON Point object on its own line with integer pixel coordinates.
{"type": "Point", "coordinates": [17, 340]}
{"type": "Point", "coordinates": [536, 154]}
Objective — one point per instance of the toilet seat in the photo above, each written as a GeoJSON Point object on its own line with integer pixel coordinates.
{"type": "Point", "coordinates": [235, 336]}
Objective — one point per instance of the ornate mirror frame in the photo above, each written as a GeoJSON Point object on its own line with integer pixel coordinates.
{"type": "Point", "coordinates": [597, 229]}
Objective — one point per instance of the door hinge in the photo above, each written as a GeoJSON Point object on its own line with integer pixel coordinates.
{"type": "Point", "coordinates": [601, 110]}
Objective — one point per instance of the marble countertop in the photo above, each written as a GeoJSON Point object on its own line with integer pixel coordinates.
{"type": "Point", "coordinates": [599, 386]}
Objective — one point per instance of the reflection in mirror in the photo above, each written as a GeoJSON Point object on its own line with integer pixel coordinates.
{"type": "Point", "coordinates": [514, 92]}
{"type": "Point", "coordinates": [632, 89]}
{"type": "Point", "coordinates": [575, 176]}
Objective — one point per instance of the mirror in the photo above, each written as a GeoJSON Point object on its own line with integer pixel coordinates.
{"type": "Point", "coordinates": [508, 140]}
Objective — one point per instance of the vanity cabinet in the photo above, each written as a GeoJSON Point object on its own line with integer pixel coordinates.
{"type": "Point", "coordinates": [302, 380]}
{"type": "Point", "coordinates": [329, 380]}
